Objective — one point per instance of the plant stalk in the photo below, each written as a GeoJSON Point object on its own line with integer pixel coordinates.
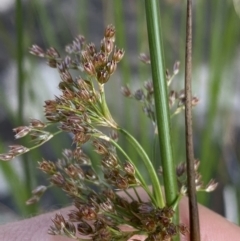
{"type": "Point", "coordinates": [193, 207]}
{"type": "Point", "coordinates": [157, 190]}
{"type": "Point", "coordinates": [20, 83]}
{"type": "Point", "coordinates": [161, 99]}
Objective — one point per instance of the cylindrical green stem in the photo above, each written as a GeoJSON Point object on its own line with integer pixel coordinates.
{"type": "Point", "coordinates": [152, 173]}
{"type": "Point", "coordinates": [161, 99]}
{"type": "Point", "coordinates": [20, 87]}
{"type": "Point", "coordinates": [105, 111]}
{"type": "Point", "coordinates": [138, 174]}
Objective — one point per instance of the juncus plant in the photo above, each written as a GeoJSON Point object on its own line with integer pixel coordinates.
{"type": "Point", "coordinates": [82, 110]}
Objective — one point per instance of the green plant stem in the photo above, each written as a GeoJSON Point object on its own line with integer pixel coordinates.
{"type": "Point", "coordinates": [222, 19]}
{"type": "Point", "coordinates": [104, 106]}
{"type": "Point", "coordinates": [161, 99]}
{"type": "Point", "coordinates": [20, 58]}
{"type": "Point", "coordinates": [192, 200]}
{"type": "Point", "coordinates": [157, 190]}
{"type": "Point", "coordinates": [20, 82]}
{"type": "Point", "coordinates": [138, 174]}
{"type": "Point", "coordinates": [47, 31]}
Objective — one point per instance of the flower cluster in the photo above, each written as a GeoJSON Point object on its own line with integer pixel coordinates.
{"type": "Point", "coordinates": [99, 221]}
{"type": "Point", "coordinates": [81, 109]}
{"type": "Point", "coordinates": [120, 175]}
{"type": "Point", "coordinates": [181, 172]}
{"type": "Point", "coordinates": [38, 135]}
{"type": "Point", "coordinates": [99, 212]}
{"type": "Point", "coordinates": [146, 95]}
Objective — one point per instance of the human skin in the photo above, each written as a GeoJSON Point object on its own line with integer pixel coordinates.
{"type": "Point", "coordinates": [213, 227]}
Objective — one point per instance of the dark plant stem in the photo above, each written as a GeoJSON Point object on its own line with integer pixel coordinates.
{"type": "Point", "coordinates": [193, 207]}
{"type": "Point", "coordinates": [161, 99]}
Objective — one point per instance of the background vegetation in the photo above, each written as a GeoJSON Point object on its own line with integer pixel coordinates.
{"type": "Point", "coordinates": [26, 83]}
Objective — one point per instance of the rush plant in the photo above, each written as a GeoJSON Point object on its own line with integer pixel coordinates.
{"type": "Point", "coordinates": [81, 109]}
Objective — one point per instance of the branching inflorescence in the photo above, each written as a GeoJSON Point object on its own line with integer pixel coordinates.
{"type": "Point", "coordinates": [99, 211]}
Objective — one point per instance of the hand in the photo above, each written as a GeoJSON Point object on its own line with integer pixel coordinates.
{"type": "Point", "coordinates": [213, 226]}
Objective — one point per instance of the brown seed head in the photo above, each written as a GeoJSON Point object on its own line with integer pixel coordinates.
{"type": "Point", "coordinates": [67, 61]}
{"type": "Point", "coordinates": [110, 32]}
{"type": "Point", "coordinates": [195, 101]}
{"type": "Point", "coordinates": [52, 53]}
{"type": "Point", "coordinates": [91, 49]}
{"type": "Point", "coordinates": [81, 138]}
{"type": "Point", "coordinates": [145, 208]}
{"type": "Point", "coordinates": [6, 156]}
{"type": "Point", "coordinates": [126, 91]}
{"type": "Point", "coordinates": [80, 157]}
{"type": "Point", "coordinates": [109, 193]}
{"type": "Point", "coordinates": [171, 98]}
{"type": "Point", "coordinates": [111, 67]}
{"type": "Point", "coordinates": [21, 131]}
{"type": "Point", "coordinates": [89, 68]}
{"type": "Point", "coordinates": [102, 235]}
{"type": "Point", "coordinates": [183, 229]}
{"type": "Point", "coordinates": [52, 63]}
{"type": "Point", "coordinates": [99, 224]}
{"type": "Point", "coordinates": [47, 167]}
{"type": "Point", "coordinates": [91, 175]}
{"type": "Point", "coordinates": [139, 95]}
{"type": "Point", "coordinates": [149, 86]}
{"type": "Point", "coordinates": [100, 147]}
{"type": "Point", "coordinates": [101, 60]}
{"type": "Point", "coordinates": [176, 67]}
{"type": "Point", "coordinates": [18, 149]}
{"type": "Point", "coordinates": [59, 221]}
{"type": "Point", "coordinates": [77, 44]}
{"type": "Point", "coordinates": [103, 76]}
{"type": "Point", "coordinates": [211, 186]}
{"type": "Point", "coordinates": [57, 179]}
{"type": "Point", "coordinates": [110, 161]}
{"type": "Point", "coordinates": [37, 51]}
{"type": "Point", "coordinates": [149, 224]}
{"type": "Point", "coordinates": [37, 124]}
{"type": "Point", "coordinates": [88, 212]}
{"type": "Point", "coordinates": [168, 75]}
{"type": "Point", "coordinates": [38, 191]}
{"type": "Point", "coordinates": [50, 106]}
{"type": "Point", "coordinates": [75, 216]}
{"type": "Point", "coordinates": [171, 229]}
{"type": "Point", "coordinates": [107, 46]}
{"type": "Point", "coordinates": [69, 229]}
{"type": "Point", "coordinates": [121, 182]}
{"type": "Point", "coordinates": [84, 228]}
{"type": "Point", "coordinates": [181, 169]}
{"type": "Point", "coordinates": [66, 76]}
{"type": "Point", "coordinates": [71, 189]}
{"type": "Point", "coordinates": [107, 206]}
{"type": "Point", "coordinates": [118, 55]}
{"type": "Point", "coordinates": [168, 212]}
{"type": "Point", "coordinates": [131, 180]}
{"type": "Point", "coordinates": [129, 168]}
{"type": "Point", "coordinates": [145, 58]}
{"type": "Point", "coordinates": [34, 199]}
{"type": "Point", "coordinates": [73, 172]}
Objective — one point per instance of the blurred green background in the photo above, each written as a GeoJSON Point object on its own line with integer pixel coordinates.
{"type": "Point", "coordinates": [27, 81]}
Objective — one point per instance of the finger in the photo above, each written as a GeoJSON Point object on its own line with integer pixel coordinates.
{"type": "Point", "coordinates": [213, 227]}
